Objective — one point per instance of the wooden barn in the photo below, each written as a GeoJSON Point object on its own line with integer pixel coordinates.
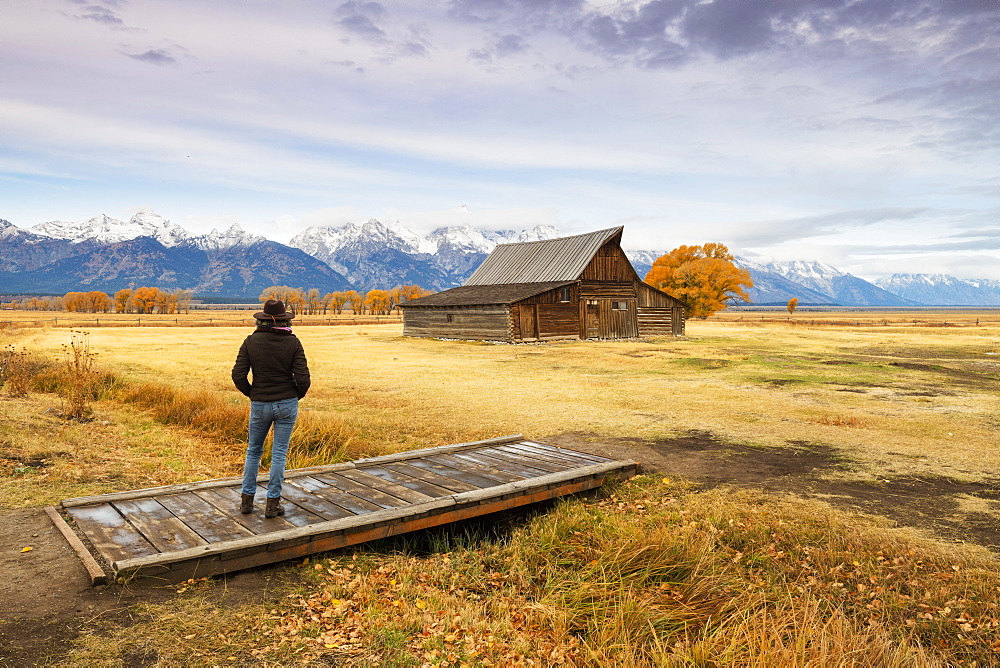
{"type": "Point", "coordinates": [579, 287]}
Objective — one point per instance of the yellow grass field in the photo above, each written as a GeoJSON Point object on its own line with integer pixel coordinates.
{"type": "Point", "coordinates": [652, 572]}
{"type": "Point", "coordinates": [896, 400]}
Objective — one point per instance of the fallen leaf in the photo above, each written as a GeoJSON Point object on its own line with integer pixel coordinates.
{"type": "Point", "coordinates": [28, 549]}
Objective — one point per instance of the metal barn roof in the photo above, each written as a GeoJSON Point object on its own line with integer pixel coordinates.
{"type": "Point", "coordinates": [474, 295]}
{"type": "Point", "coordinates": [562, 259]}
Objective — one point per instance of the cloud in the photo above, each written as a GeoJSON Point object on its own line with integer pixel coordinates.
{"type": "Point", "coordinates": [153, 57]}
{"type": "Point", "coordinates": [100, 15]}
{"type": "Point", "coordinates": [359, 18]}
{"type": "Point", "coordinates": [771, 232]}
{"type": "Point", "coordinates": [501, 47]}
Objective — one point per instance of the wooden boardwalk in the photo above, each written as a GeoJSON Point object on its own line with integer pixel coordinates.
{"type": "Point", "coordinates": [195, 529]}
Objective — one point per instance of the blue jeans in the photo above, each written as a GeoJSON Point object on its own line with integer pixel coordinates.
{"type": "Point", "coordinates": [263, 414]}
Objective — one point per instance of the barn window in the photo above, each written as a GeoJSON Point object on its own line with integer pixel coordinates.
{"type": "Point", "coordinates": [564, 294]}
{"type": "Point", "coordinates": [449, 318]}
{"type": "Point", "coordinates": [619, 306]}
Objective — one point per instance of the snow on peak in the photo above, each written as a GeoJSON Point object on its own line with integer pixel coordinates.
{"type": "Point", "coordinates": [105, 229]}
{"type": "Point", "coordinates": [234, 236]}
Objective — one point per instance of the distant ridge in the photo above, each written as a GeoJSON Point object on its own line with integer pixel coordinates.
{"type": "Point", "coordinates": [104, 253]}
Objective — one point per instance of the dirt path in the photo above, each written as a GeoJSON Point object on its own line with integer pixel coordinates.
{"type": "Point", "coordinates": [47, 598]}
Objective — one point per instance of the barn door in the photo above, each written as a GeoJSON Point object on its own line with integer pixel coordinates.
{"type": "Point", "coordinates": [529, 321]}
{"type": "Point", "coordinates": [592, 320]}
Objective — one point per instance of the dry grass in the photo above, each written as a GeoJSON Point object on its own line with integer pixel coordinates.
{"type": "Point", "coordinates": [927, 393]}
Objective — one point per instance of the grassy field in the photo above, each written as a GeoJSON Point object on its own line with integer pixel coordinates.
{"type": "Point", "coordinates": [654, 573]}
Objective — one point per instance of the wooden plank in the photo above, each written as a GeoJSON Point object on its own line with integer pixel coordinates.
{"type": "Point", "coordinates": [429, 475]}
{"type": "Point", "coordinates": [567, 461]}
{"type": "Point", "coordinates": [475, 469]}
{"type": "Point", "coordinates": [570, 456]}
{"type": "Point", "coordinates": [209, 522]}
{"type": "Point", "coordinates": [314, 504]}
{"type": "Point", "coordinates": [414, 454]}
{"type": "Point", "coordinates": [350, 502]}
{"type": "Point", "coordinates": [525, 461]}
{"type": "Point", "coordinates": [110, 533]}
{"type": "Point", "coordinates": [517, 468]}
{"type": "Point", "coordinates": [374, 495]}
{"type": "Point", "coordinates": [407, 494]}
{"type": "Point", "coordinates": [226, 498]}
{"type": "Point", "coordinates": [480, 480]}
{"type": "Point", "coordinates": [555, 450]}
{"type": "Point", "coordinates": [95, 573]}
{"type": "Point", "coordinates": [537, 459]}
{"type": "Point", "coordinates": [597, 470]}
{"type": "Point", "coordinates": [419, 484]}
{"type": "Point", "coordinates": [158, 525]}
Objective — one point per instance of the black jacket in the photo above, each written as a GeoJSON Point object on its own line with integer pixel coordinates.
{"type": "Point", "coordinates": [279, 366]}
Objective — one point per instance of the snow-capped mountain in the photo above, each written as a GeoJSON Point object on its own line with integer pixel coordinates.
{"type": "Point", "coordinates": [840, 287]}
{"type": "Point", "coordinates": [942, 289]}
{"type": "Point", "coordinates": [217, 241]}
{"type": "Point", "coordinates": [104, 229]}
{"type": "Point", "coordinates": [377, 254]}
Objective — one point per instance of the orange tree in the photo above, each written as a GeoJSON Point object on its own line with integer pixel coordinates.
{"type": "Point", "coordinates": [705, 277]}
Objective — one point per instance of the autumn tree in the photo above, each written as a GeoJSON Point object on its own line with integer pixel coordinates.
{"type": "Point", "coordinates": [144, 300]}
{"type": "Point", "coordinates": [705, 277]}
{"type": "Point", "coordinates": [313, 301]}
{"type": "Point", "coordinates": [123, 300]}
{"type": "Point", "coordinates": [335, 300]}
{"type": "Point", "coordinates": [293, 298]}
{"type": "Point", "coordinates": [377, 302]}
{"type": "Point", "coordinates": [356, 301]}
{"type": "Point", "coordinates": [793, 304]}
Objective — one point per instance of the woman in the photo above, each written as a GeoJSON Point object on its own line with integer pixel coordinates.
{"type": "Point", "coordinates": [280, 379]}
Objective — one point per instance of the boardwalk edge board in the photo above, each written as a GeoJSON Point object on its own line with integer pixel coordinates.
{"type": "Point", "coordinates": [94, 571]}
{"type": "Point", "coordinates": [327, 468]}
{"type": "Point", "coordinates": [190, 530]}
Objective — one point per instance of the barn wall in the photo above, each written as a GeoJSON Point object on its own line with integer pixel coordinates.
{"type": "Point", "coordinates": [491, 323]}
{"type": "Point", "coordinates": [610, 264]}
{"type": "Point", "coordinates": [659, 314]}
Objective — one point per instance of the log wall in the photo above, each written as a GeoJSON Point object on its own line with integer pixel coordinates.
{"type": "Point", "coordinates": [490, 323]}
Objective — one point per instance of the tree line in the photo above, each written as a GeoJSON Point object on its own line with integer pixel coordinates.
{"type": "Point", "coordinates": [373, 302]}
{"type": "Point", "coordinates": [147, 300]}
{"type": "Point", "coordinates": [142, 300]}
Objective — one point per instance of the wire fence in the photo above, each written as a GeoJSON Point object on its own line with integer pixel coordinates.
{"type": "Point", "coordinates": [926, 321]}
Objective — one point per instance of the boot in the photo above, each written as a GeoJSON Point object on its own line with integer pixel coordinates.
{"type": "Point", "coordinates": [246, 503]}
{"type": "Point", "coordinates": [273, 508]}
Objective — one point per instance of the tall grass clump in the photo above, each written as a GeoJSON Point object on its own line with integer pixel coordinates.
{"type": "Point", "coordinates": [18, 369]}
{"type": "Point", "coordinates": [316, 440]}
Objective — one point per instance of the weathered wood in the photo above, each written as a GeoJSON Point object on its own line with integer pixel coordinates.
{"type": "Point", "coordinates": [364, 477]}
{"type": "Point", "coordinates": [95, 573]}
{"type": "Point", "coordinates": [419, 484]}
{"type": "Point", "coordinates": [325, 490]}
{"type": "Point", "coordinates": [158, 525]}
{"type": "Point", "coordinates": [228, 498]}
{"type": "Point", "coordinates": [561, 452]}
{"type": "Point", "coordinates": [203, 518]}
{"type": "Point", "coordinates": [201, 531]}
{"type": "Point", "coordinates": [342, 524]}
{"type": "Point", "coordinates": [110, 533]}
{"type": "Point", "coordinates": [440, 449]}
{"type": "Point", "coordinates": [312, 503]}
{"type": "Point", "coordinates": [199, 567]}
{"type": "Point", "coordinates": [458, 475]}
{"type": "Point", "coordinates": [371, 494]}
{"type": "Point", "coordinates": [485, 472]}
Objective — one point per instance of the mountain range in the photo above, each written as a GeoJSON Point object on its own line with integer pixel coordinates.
{"type": "Point", "coordinates": [107, 254]}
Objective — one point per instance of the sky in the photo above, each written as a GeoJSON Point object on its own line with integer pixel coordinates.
{"type": "Point", "coordinates": [861, 133]}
